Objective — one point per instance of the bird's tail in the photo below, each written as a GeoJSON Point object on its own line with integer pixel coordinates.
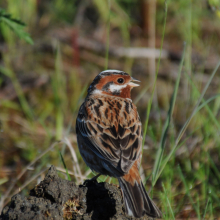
{"type": "Point", "coordinates": [136, 200]}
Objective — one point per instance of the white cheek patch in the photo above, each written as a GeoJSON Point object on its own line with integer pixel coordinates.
{"type": "Point", "coordinates": [96, 91]}
{"type": "Point", "coordinates": [114, 87]}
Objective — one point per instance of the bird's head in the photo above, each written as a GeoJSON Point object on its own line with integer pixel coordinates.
{"type": "Point", "coordinates": [113, 82]}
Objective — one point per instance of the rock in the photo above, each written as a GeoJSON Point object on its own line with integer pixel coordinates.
{"type": "Point", "coordinates": [56, 198]}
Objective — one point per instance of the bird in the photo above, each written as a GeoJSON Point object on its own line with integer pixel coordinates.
{"type": "Point", "coordinates": [109, 137]}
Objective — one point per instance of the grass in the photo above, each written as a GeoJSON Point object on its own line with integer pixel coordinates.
{"type": "Point", "coordinates": [160, 151]}
{"type": "Point", "coordinates": [180, 148]}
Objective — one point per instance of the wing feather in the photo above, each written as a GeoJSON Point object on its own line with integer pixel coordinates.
{"type": "Point", "coordinates": [117, 140]}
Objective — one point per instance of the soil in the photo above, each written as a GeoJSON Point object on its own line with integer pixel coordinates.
{"type": "Point", "coordinates": [56, 198]}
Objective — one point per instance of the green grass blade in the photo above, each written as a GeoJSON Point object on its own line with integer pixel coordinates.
{"type": "Point", "coordinates": [64, 165]}
{"type": "Point", "coordinates": [211, 210]}
{"type": "Point", "coordinates": [3, 180]}
{"type": "Point", "coordinates": [18, 88]}
{"type": "Point", "coordinates": [200, 99]}
{"type": "Point", "coordinates": [214, 167]}
{"type": "Point", "coordinates": [59, 88]}
{"type": "Point", "coordinates": [16, 25]}
{"type": "Point", "coordinates": [188, 192]}
{"type": "Point", "coordinates": [188, 121]}
{"type": "Point", "coordinates": [168, 201]}
{"type": "Point", "coordinates": [167, 124]}
{"type": "Point", "coordinates": [206, 207]}
{"type": "Point", "coordinates": [83, 91]}
{"type": "Point", "coordinates": [204, 102]}
{"type": "Point", "coordinates": [155, 80]}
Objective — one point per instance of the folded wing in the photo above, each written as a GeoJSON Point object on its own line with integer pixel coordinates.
{"type": "Point", "coordinates": [112, 133]}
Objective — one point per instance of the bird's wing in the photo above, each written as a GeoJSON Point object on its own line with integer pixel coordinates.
{"type": "Point", "coordinates": [112, 130]}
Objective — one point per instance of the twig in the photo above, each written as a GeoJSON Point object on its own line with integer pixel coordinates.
{"type": "Point", "coordinates": [71, 173]}
{"type": "Point", "coordinates": [73, 153]}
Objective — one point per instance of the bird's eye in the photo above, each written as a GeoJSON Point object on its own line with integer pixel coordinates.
{"type": "Point", "coordinates": [120, 80]}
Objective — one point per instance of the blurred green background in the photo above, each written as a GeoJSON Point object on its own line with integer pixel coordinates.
{"type": "Point", "coordinates": [47, 66]}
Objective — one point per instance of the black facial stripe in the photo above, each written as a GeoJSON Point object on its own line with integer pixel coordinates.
{"type": "Point", "coordinates": [106, 86]}
{"type": "Point", "coordinates": [94, 83]}
{"type": "Point", "coordinates": [116, 92]}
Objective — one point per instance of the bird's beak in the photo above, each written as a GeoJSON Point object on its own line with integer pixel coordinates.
{"type": "Point", "coordinates": [133, 84]}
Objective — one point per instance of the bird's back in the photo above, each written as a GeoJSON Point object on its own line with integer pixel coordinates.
{"type": "Point", "coordinates": [113, 126]}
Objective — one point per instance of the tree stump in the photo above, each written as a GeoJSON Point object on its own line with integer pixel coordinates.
{"type": "Point", "coordinates": [56, 198]}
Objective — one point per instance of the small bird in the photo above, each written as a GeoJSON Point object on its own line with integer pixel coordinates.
{"type": "Point", "coordinates": [109, 136]}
